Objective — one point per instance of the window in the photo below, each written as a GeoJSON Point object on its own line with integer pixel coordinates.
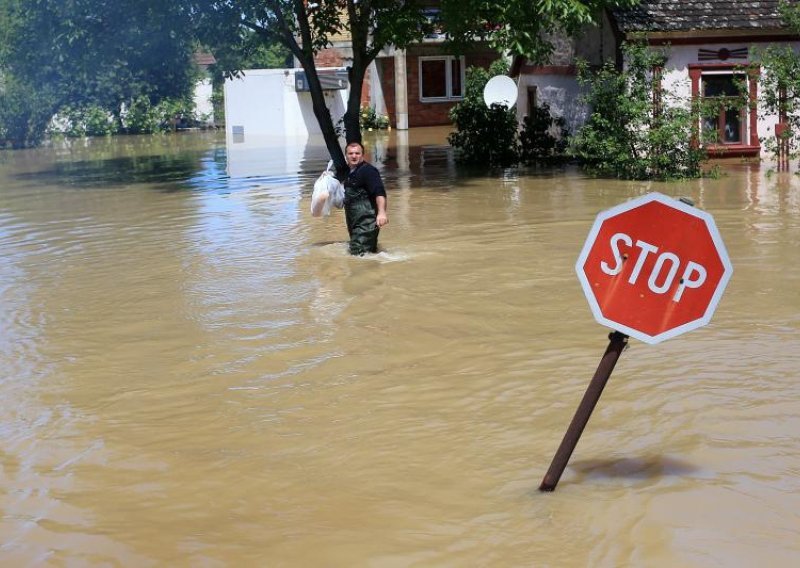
{"type": "Point", "coordinates": [732, 127]}
{"type": "Point", "coordinates": [531, 100]}
{"type": "Point", "coordinates": [728, 126]}
{"type": "Point", "coordinates": [441, 78]}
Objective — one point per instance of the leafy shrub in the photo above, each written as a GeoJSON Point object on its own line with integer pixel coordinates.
{"type": "Point", "coordinates": [24, 114]}
{"type": "Point", "coordinates": [143, 117]}
{"type": "Point", "coordinates": [543, 139]}
{"type": "Point", "coordinates": [371, 120]}
{"type": "Point", "coordinates": [629, 137]}
{"type": "Point", "coordinates": [78, 122]}
{"type": "Point", "coordinates": [484, 135]}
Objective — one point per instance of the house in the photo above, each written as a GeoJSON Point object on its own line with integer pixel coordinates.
{"type": "Point", "coordinates": [203, 89]}
{"type": "Point", "coordinates": [709, 44]}
{"type": "Point", "coordinates": [287, 112]}
{"type": "Point", "coordinates": [416, 86]}
{"type": "Point", "coordinates": [555, 82]}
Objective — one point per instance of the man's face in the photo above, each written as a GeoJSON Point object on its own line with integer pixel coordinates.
{"type": "Point", "coordinates": [355, 155]}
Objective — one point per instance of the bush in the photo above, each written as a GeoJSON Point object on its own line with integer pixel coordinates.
{"type": "Point", "coordinates": [484, 135]}
{"type": "Point", "coordinates": [24, 114]}
{"type": "Point", "coordinates": [78, 122]}
{"type": "Point", "coordinates": [371, 120]}
{"type": "Point", "coordinates": [143, 117]}
{"type": "Point", "coordinates": [543, 139]}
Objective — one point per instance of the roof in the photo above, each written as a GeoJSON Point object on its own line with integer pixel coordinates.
{"type": "Point", "coordinates": [677, 16]}
{"type": "Point", "coordinates": [204, 59]}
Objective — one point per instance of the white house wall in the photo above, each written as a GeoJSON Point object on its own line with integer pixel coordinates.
{"type": "Point", "coordinates": [264, 104]}
{"type": "Point", "coordinates": [676, 80]}
{"type": "Point", "coordinates": [204, 107]}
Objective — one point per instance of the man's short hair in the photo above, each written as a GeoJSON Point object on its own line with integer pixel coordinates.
{"type": "Point", "coordinates": [359, 144]}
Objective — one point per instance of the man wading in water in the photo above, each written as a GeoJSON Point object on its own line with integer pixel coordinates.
{"type": "Point", "coordinates": [364, 201]}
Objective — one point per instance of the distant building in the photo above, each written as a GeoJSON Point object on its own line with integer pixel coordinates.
{"type": "Point", "coordinates": [708, 44]}
{"type": "Point", "coordinates": [416, 86]}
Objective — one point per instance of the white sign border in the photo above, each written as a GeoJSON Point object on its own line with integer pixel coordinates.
{"type": "Point", "coordinates": [675, 204]}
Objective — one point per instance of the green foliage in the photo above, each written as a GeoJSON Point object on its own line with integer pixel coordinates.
{"type": "Point", "coordinates": [543, 139]}
{"type": "Point", "coordinates": [484, 135]}
{"type": "Point", "coordinates": [143, 117]}
{"type": "Point", "coordinates": [24, 112]}
{"type": "Point", "coordinates": [779, 84]}
{"type": "Point", "coordinates": [78, 122]}
{"type": "Point", "coordinates": [307, 27]}
{"type": "Point", "coordinates": [249, 52]}
{"type": "Point", "coordinates": [93, 53]}
{"type": "Point", "coordinates": [779, 88]}
{"type": "Point", "coordinates": [98, 51]}
{"type": "Point", "coordinates": [140, 117]}
{"type": "Point", "coordinates": [273, 56]}
{"type": "Point", "coordinates": [371, 120]}
{"type": "Point", "coordinates": [629, 137]}
{"type": "Point", "coordinates": [519, 26]}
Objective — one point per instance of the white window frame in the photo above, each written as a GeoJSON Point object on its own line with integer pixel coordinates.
{"type": "Point", "coordinates": [448, 59]}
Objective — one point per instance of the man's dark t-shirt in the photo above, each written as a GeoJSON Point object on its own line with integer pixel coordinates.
{"type": "Point", "coordinates": [366, 176]}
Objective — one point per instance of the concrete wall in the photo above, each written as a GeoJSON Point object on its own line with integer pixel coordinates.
{"type": "Point", "coordinates": [263, 104]}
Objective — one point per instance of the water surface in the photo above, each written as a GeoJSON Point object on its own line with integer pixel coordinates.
{"type": "Point", "coordinates": [195, 373]}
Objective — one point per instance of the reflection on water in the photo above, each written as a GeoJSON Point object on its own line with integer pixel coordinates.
{"type": "Point", "coordinates": [195, 372]}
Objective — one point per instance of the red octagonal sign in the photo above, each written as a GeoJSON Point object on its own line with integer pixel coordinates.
{"type": "Point", "coordinates": [653, 268]}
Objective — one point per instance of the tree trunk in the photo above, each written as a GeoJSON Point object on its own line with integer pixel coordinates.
{"type": "Point", "coordinates": [352, 122]}
{"type": "Point", "coordinates": [323, 115]}
{"type": "Point", "coordinates": [305, 55]}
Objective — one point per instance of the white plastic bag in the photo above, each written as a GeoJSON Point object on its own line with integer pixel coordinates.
{"type": "Point", "coordinates": [328, 192]}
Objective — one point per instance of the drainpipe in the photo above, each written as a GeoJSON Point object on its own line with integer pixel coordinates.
{"type": "Point", "coordinates": [400, 90]}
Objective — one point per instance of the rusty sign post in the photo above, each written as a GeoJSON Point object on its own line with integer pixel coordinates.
{"type": "Point", "coordinates": [652, 268]}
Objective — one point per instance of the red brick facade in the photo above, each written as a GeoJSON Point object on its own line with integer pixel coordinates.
{"type": "Point", "coordinates": [422, 113]}
{"type": "Point", "coordinates": [330, 57]}
{"type": "Point", "coordinates": [419, 113]}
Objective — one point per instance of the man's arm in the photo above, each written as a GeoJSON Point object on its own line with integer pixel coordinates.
{"type": "Point", "coordinates": [381, 219]}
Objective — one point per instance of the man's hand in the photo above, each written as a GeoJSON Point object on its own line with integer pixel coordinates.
{"type": "Point", "coordinates": [381, 219]}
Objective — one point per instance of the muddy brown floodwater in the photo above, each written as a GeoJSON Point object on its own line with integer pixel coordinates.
{"type": "Point", "coordinates": [195, 373]}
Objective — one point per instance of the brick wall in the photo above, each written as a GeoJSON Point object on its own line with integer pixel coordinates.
{"type": "Point", "coordinates": [422, 113]}
{"type": "Point", "coordinates": [330, 57]}
{"type": "Point", "coordinates": [333, 57]}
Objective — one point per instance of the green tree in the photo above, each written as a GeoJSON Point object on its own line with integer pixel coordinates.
{"type": "Point", "coordinates": [779, 83]}
{"type": "Point", "coordinates": [306, 27]}
{"type": "Point", "coordinates": [519, 26]}
{"type": "Point", "coordinates": [230, 27]}
{"type": "Point", "coordinates": [626, 135]}
{"type": "Point", "coordinates": [80, 53]}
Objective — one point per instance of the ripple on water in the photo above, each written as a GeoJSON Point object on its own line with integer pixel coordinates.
{"type": "Point", "coordinates": [181, 347]}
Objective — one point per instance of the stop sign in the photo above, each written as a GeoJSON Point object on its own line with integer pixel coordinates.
{"type": "Point", "coordinates": [653, 268]}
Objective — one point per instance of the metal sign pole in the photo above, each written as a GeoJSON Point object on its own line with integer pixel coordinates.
{"type": "Point", "coordinates": [617, 342]}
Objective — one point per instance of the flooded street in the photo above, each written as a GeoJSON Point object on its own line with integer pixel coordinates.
{"type": "Point", "coordinates": [196, 373]}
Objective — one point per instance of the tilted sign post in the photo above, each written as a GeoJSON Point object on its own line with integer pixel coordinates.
{"type": "Point", "coordinates": [651, 268]}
